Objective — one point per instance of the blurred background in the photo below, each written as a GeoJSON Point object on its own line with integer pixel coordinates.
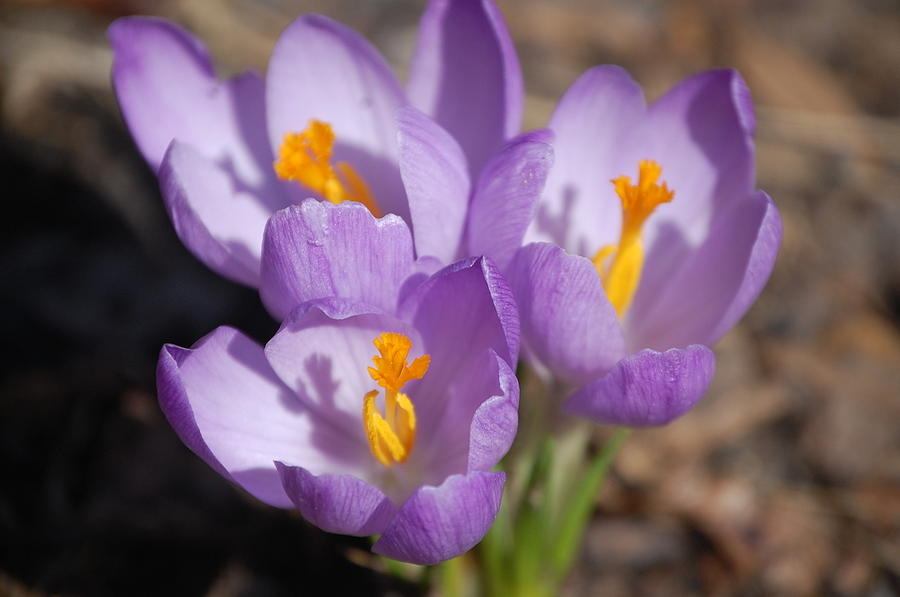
{"type": "Point", "coordinates": [784, 481]}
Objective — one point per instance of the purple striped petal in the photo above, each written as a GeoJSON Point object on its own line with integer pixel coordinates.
{"type": "Point", "coordinates": [167, 89]}
{"type": "Point", "coordinates": [323, 70]}
{"type": "Point", "coordinates": [318, 249]}
{"type": "Point", "coordinates": [220, 224]}
{"type": "Point", "coordinates": [439, 523]}
{"type": "Point", "coordinates": [647, 388]}
{"type": "Point", "coordinates": [466, 305]}
{"type": "Point", "coordinates": [505, 198]}
{"type": "Point", "coordinates": [466, 75]}
{"type": "Point", "coordinates": [718, 283]}
{"type": "Point", "coordinates": [437, 184]}
{"type": "Point", "coordinates": [206, 393]}
{"type": "Point", "coordinates": [496, 420]}
{"type": "Point", "coordinates": [580, 211]}
{"type": "Point", "coordinates": [337, 503]}
{"type": "Point", "coordinates": [568, 324]}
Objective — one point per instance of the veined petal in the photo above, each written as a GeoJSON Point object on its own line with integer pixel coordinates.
{"type": "Point", "coordinates": [466, 75]}
{"type": "Point", "coordinates": [323, 70]}
{"type": "Point", "coordinates": [318, 249]}
{"type": "Point", "coordinates": [439, 523]}
{"type": "Point", "coordinates": [579, 210]}
{"type": "Point", "coordinates": [219, 223]}
{"type": "Point", "coordinates": [437, 184]}
{"type": "Point", "coordinates": [228, 406]}
{"type": "Point", "coordinates": [568, 324]}
{"type": "Point", "coordinates": [496, 420]}
{"type": "Point", "coordinates": [462, 310]}
{"type": "Point", "coordinates": [718, 283]}
{"type": "Point", "coordinates": [647, 388]}
{"type": "Point", "coordinates": [337, 503]}
{"type": "Point", "coordinates": [167, 89]}
{"type": "Point", "coordinates": [505, 198]}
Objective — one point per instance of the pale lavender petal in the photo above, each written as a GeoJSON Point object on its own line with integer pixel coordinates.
{"type": "Point", "coordinates": [323, 70]}
{"type": "Point", "coordinates": [701, 134]}
{"type": "Point", "coordinates": [467, 304]}
{"type": "Point", "coordinates": [167, 89]}
{"type": "Point", "coordinates": [466, 75]}
{"type": "Point", "coordinates": [220, 224]}
{"type": "Point", "coordinates": [579, 209]}
{"type": "Point", "coordinates": [323, 351]}
{"type": "Point", "coordinates": [439, 523]}
{"type": "Point", "coordinates": [720, 281]}
{"type": "Point", "coordinates": [504, 200]}
{"type": "Point", "coordinates": [229, 407]}
{"type": "Point", "coordinates": [337, 503]}
{"type": "Point", "coordinates": [318, 249]}
{"type": "Point", "coordinates": [568, 324]}
{"type": "Point", "coordinates": [647, 388]}
{"type": "Point", "coordinates": [437, 184]}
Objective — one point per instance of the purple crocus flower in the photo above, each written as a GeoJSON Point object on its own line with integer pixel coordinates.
{"type": "Point", "coordinates": [331, 121]}
{"type": "Point", "coordinates": [651, 242]}
{"type": "Point", "coordinates": [369, 420]}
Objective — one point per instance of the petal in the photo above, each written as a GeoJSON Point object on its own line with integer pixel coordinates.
{"type": "Point", "coordinates": [647, 388]}
{"type": "Point", "coordinates": [701, 134]}
{"type": "Point", "coordinates": [718, 283]}
{"type": "Point", "coordinates": [437, 184]}
{"type": "Point", "coordinates": [462, 310]}
{"type": "Point", "coordinates": [568, 324]}
{"type": "Point", "coordinates": [466, 75]}
{"type": "Point", "coordinates": [579, 210]}
{"type": "Point", "coordinates": [337, 503]}
{"type": "Point", "coordinates": [323, 70]}
{"type": "Point", "coordinates": [505, 198]}
{"type": "Point", "coordinates": [227, 405]}
{"type": "Point", "coordinates": [439, 523]}
{"type": "Point", "coordinates": [318, 249]}
{"type": "Point", "coordinates": [219, 223]}
{"type": "Point", "coordinates": [323, 351]}
{"type": "Point", "coordinates": [167, 89]}
{"type": "Point", "coordinates": [496, 420]}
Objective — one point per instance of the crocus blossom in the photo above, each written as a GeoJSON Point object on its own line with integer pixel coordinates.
{"type": "Point", "coordinates": [331, 121]}
{"type": "Point", "coordinates": [649, 243]}
{"type": "Point", "coordinates": [369, 419]}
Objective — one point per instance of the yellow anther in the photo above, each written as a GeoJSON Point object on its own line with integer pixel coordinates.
{"type": "Point", "coordinates": [391, 437]}
{"type": "Point", "coordinates": [620, 265]}
{"type": "Point", "coordinates": [305, 157]}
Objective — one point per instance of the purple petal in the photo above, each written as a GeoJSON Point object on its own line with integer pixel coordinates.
{"type": "Point", "coordinates": [466, 75]}
{"type": "Point", "coordinates": [337, 503]}
{"type": "Point", "coordinates": [720, 281]}
{"type": "Point", "coordinates": [496, 420]}
{"type": "Point", "coordinates": [439, 523]}
{"type": "Point", "coordinates": [568, 324]}
{"type": "Point", "coordinates": [647, 388]}
{"type": "Point", "coordinates": [167, 89]}
{"type": "Point", "coordinates": [323, 351]}
{"type": "Point", "coordinates": [580, 210]}
{"type": "Point", "coordinates": [227, 405]}
{"type": "Point", "coordinates": [698, 132]}
{"type": "Point", "coordinates": [504, 200]}
{"type": "Point", "coordinates": [436, 179]}
{"type": "Point", "coordinates": [220, 224]}
{"type": "Point", "coordinates": [463, 310]}
{"type": "Point", "coordinates": [323, 70]}
{"type": "Point", "coordinates": [318, 249]}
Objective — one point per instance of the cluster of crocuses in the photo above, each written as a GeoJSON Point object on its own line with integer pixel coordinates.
{"type": "Point", "coordinates": [410, 240]}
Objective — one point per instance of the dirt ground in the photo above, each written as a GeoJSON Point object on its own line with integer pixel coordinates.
{"type": "Point", "coordinates": [785, 481]}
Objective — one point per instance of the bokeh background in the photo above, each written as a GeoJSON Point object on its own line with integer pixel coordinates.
{"type": "Point", "coordinates": [784, 481]}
